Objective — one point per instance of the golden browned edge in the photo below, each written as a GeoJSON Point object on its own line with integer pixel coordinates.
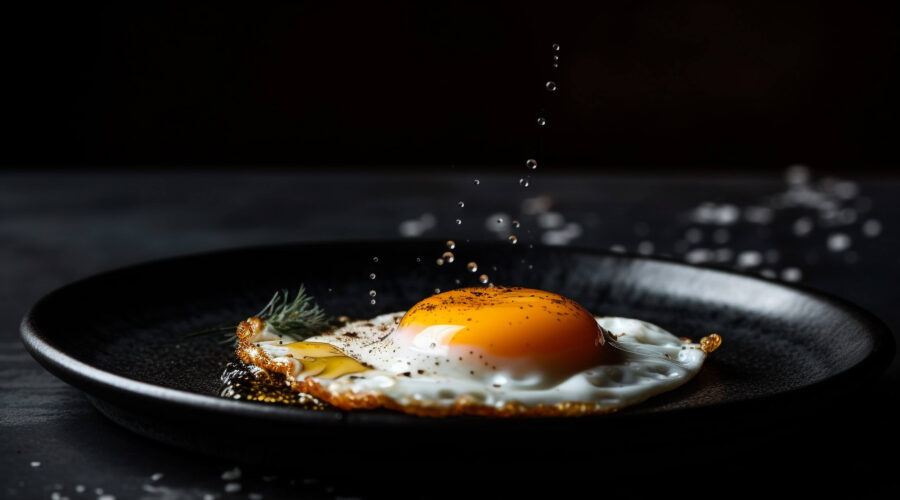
{"type": "Point", "coordinates": [464, 405]}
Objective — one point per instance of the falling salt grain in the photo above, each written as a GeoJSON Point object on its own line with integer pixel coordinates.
{"type": "Point", "coordinates": [767, 273]}
{"type": "Point", "coordinates": [80, 488]}
{"type": "Point", "coordinates": [871, 228]}
{"type": "Point", "coordinates": [838, 242]}
{"type": "Point", "coordinates": [797, 174]}
{"type": "Point", "coordinates": [711, 213]}
{"type": "Point", "coordinates": [35, 464]}
{"type": "Point", "coordinates": [749, 258]}
{"type": "Point", "coordinates": [758, 215]}
{"type": "Point", "coordinates": [231, 475]}
{"type": "Point", "coordinates": [232, 487]}
{"type": "Point", "coordinates": [699, 255]}
{"type": "Point", "coordinates": [791, 274]}
{"type": "Point", "coordinates": [846, 190]}
{"type": "Point", "coordinates": [157, 476]}
{"type": "Point", "coordinates": [645, 248]}
{"type": "Point", "coordinates": [617, 249]}
{"type": "Point", "coordinates": [803, 226]}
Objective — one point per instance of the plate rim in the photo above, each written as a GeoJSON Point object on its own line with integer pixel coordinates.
{"type": "Point", "coordinates": [86, 377]}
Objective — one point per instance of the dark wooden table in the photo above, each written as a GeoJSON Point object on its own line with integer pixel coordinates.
{"type": "Point", "coordinates": [837, 236]}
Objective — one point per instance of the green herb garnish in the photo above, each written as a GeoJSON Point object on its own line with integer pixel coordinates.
{"type": "Point", "coordinates": [298, 319]}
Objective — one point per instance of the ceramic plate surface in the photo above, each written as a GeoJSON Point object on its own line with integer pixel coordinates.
{"type": "Point", "coordinates": [120, 337]}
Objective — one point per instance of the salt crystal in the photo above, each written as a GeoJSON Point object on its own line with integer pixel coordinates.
{"type": "Point", "coordinates": [231, 475]}
{"type": "Point", "coordinates": [838, 242]}
{"type": "Point", "coordinates": [749, 258]}
{"type": "Point", "coordinates": [791, 274]}
{"type": "Point", "coordinates": [871, 228]}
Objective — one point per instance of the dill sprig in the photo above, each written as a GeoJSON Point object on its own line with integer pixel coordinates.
{"type": "Point", "coordinates": [297, 318]}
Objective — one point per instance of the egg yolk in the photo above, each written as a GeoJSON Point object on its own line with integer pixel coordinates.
{"type": "Point", "coordinates": [509, 322]}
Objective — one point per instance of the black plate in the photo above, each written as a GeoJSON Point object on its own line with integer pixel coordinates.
{"type": "Point", "coordinates": [120, 337]}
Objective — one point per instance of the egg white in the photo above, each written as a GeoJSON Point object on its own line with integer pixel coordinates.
{"type": "Point", "coordinates": [649, 360]}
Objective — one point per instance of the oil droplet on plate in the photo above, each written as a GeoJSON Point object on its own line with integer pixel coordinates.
{"type": "Point", "coordinates": [448, 257]}
{"type": "Point", "coordinates": [372, 293]}
{"type": "Point", "coordinates": [439, 261]}
{"type": "Point", "coordinates": [477, 182]}
{"type": "Point", "coordinates": [461, 204]}
{"type": "Point", "coordinates": [372, 276]}
{"type": "Point", "coordinates": [541, 121]}
{"type": "Point", "coordinates": [451, 244]}
{"type": "Point", "coordinates": [555, 47]}
{"type": "Point", "coordinates": [513, 239]}
{"type": "Point", "coordinates": [372, 302]}
{"type": "Point", "coordinates": [551, 86]}
{"type": "Point", "coordinates": [531, 164]}
{"type": "Point", "coordinates": [524, 182]}
{"type": "Point", "coordinates": [483, 278]}
{"type": "Point", "coordinates": [515, 224]}
{"type": "Point", "coordinates": [472, 267]}
{"type": "Point", "coordinates": [458, 222]}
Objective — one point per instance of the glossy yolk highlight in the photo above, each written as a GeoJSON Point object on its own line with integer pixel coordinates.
{"type": "Point", "coordinates": [511, 322]}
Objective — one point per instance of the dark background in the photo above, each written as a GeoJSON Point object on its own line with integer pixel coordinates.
{"type": "Point", "coordinates": [664, 84]}
{"type": "Point", "coordinates": [145, 103]}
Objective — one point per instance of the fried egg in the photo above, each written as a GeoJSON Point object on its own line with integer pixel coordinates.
{"type": "Point", "coordinates": [500, 351]}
